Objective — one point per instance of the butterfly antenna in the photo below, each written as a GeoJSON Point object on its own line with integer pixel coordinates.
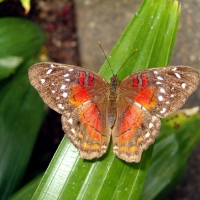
{"type": "Point", "coordinates": [106, 57]}
{"type": "Point", "coordinates": [127, 59]}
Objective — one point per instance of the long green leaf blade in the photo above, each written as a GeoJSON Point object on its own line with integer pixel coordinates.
{"type": "Point", "coordinates": [69, 177]}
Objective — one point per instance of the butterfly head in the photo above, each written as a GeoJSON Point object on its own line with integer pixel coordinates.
{"type": "Point", "coordinates": [114, 80]}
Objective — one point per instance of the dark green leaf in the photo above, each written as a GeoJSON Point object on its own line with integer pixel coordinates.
{"type": "Point", "coordinates": [21, 114]}
{"type": "Point", "coordinates": [19, 38]}
{"type": "Point", "coordinates": [179, 134]}
{"type": "Point", "coordinates": [27, 191]}
{"type": "Point", "coordinates": [8, 65]}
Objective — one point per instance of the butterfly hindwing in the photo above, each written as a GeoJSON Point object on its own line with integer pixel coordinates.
{"type": "Point", "coordinates": [87, 128]}
{"type": "Point", "coordinates": [134, 130]}
{"type": "Point", "coordinates": [77, 94]}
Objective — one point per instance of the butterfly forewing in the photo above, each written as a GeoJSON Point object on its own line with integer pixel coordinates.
{"type": "Point", "coordinates": [64, 87]}
{"type": "Point", "coordinates": [78, 94]}
{"type": "Point", "coordinates": [161, 91]}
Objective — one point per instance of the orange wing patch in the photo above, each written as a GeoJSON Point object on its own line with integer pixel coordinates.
{"type": "Point", "coordinates": [89, 116]}
{"type": "Point", "coordinates": [145, 97]}
{"type": "Point", "coordinates": [88, 146]}
{"type": "Point", "coordinates": [79, 95]}
{"type": "Point", "coordinates": [132, 120]}
{"type": "Point", "coordinates": [135, 130]}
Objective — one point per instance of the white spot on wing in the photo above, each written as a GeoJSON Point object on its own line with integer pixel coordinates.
{"type": "Point", "coordinates": [159, 78]}
{"type": "Point", "coordinates": [183, 85]}
{"type": "Point", "coordinates": [174, 69]}
{"type": "Point", "coordinates": [67, 79]}
{"type": "Point", "coordinates": [115, 147]}
{"type": "Point", "coordinates": [66, 75]}
{"type": "Point", "coordinates": [167, 102]}
{"type": "Point", "coordinates": [151, 125]}
{"type": "Point", "coordinates": [140, 106]}
{"type": "Point", "coordinates": [160, 98]}
{"type": "Point", "coordinates": [57, 98]}
{"type": "Point", "coordinates": [61, 106]}
{"type": "Point", "coordinates": [162, 90]}
{"type": "Point", "coordinates": [65, 94]}
{"type": "Point", "coordinates": [137, 104]}
{"type": "Point", "coordinates": [63, 87]}
{"type": "Point", "coordinates": [53, 91]}
{"type": "Point", "coordinates": [155, 72]}
{"type": "Point", "coordinates": [147, 134]}
{"type": "Point", "coordinates": [70, 70]}
{"type": "Point", "coordinates": [42, 80]}
{"type": "Point", "coordinates": [49, 71]}
{"type": "Point", "coordinates": [177, 75]}
{"type": "Point", "coordinates": [158, 83]}
{"type": "Point", "coordinates": [163, 111]}
{"type": "Point", "coordinates": [73, 131]}
{"type": "Point", "coordinates": [52, 65]}
{"type": "Point", "coordinates": [172, 95]}
{"type": "Point", "coordinates": [143, 108]}
{"type": "Point", "coordinates": [70, 120]}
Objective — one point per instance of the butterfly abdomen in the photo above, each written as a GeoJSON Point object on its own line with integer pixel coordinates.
{"type": "Point", "coordinates": [112, 109]}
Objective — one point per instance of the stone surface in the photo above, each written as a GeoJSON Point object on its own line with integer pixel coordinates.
{"type": "Point", "coordinates": [102, 21]}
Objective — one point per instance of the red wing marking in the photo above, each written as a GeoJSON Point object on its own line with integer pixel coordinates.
{"type": "Point", "coordinates": [79, 95]}
{"type": "Point", "coordinates": [91, 80]}
{"type": "Point", "coordinates": [89, 116]}
{"type": "Point", "coordinates": [132, 120]}
{"type": "Point", "coordinates": [145, 97]}
{"type": "Point", "coordinates": [135, 81]}
{"type": "Point", "coordinates": [81, 78]}
{"type": "Point", "coordinates": [144, 80]}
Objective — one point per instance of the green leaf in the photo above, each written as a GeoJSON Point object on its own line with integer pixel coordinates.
{"type": "Point", "coordinates": [19, 37]}
{"type": "Point", "coordinates": [152, 31]}
{"type": "Point", "coordinates": [18, 128]}
{"type": "Point", "coordinates": [8, 65]}
{"type": "Point", "coordinates": [179, 134]}
{"type": "Point", "coordinates": [27, 191]}
{"type": "Point", "coordinates": [26, 4]}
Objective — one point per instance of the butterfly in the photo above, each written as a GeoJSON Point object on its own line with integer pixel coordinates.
{"type": "Point", "coordinates": [92, 109]}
